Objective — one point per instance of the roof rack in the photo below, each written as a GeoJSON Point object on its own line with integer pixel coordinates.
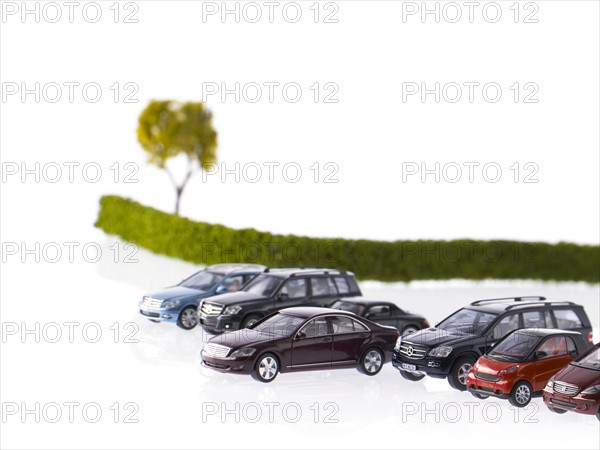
{"type": "Point", "coordinates": [270, 269]}
{"type": "Point", "coordinates": [555, 303]}
{"type": "Point", "coordinates": [514, 299]}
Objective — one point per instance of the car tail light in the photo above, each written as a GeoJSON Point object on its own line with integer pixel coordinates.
{"type": "Point", "coordinates": [397, 334]}
{"type": "Point", "coordinates": [590, 337]}
{"type": "Point", "coordinates": [426, 323]}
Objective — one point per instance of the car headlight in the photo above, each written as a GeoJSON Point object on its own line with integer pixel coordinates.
{"type": "Point", "coordinates": [243, 352]}
{"type": "Point", "coordinates": [550, 383]}
{"type": "Point", "coordinates": [398, 344]}
{"type": "Point", "coordinates": [232, 310]}
{"type": "Point", "coordinates": [441, 352]}
{"type": "Point", "coordinates": [592, 390]}
{"type": "Point", "coordinates": [170, 304]}
{"type": "Point", "coordinates": [510, 369]}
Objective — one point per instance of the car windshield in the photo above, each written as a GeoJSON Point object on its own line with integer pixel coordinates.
{"type": "Point", "coordinates": [281, 325]}
{"type": "Point", "coordinates": [514, 347]}
{"type": "Point", "coordinates": [590, 360]}
{"type": "Point", "coordinates": [467, 321]}
{"type": "Point", "coordinates": [202, 281]}
{"type": "Point", "coordinates": [348, 306]}
{"type": "Point", "coordinates": [264, 285]}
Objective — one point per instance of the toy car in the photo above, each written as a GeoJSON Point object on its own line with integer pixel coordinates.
{"type": "Point", "coordinates": [179, 303]}
{"type": "Point", "coordinates": [296, 339]}
{"type": "Point", "coordinates": [383, 312]}
{"type": "Point", "coordinates": [273, 290]}
{"type": "Point", "coordinates": [450, 349]}
{"type": "Point", "coordinates": [519, 366]}
{"type": "Point", "coordinates": [577, 386]}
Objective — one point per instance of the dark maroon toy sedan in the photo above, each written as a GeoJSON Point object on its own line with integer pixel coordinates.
{"type": "Point", "coordinates": [296, 339]}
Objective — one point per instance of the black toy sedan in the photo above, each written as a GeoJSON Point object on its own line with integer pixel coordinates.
{"type": "Point", "coordinates": [303, 338]}
{"type": "Point", "coordinates": [383, 312]}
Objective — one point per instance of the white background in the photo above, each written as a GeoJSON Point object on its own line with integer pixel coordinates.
{"type": "Point", "coordinates": [369, 134]}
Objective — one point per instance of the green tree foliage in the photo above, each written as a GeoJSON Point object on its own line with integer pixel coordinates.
{"type": "Point", "coordinates": [167, 129]}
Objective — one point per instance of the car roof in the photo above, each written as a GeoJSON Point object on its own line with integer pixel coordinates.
{"type": "Point", "coordinates": [499, 306]}
{"type": "Point", "coordinates": [231, 268]}
{"type": "Point", "coordinates": [543, 332]}
{"type": "Point", "coordinates": [366, 301]}
{"type": "Point", "coordinates": [313, 311]}
{"type": "Point", "coordinates": [285, 272]}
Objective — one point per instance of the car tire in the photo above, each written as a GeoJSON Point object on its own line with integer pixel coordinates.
{"type": "Point", "coordinates": [250, 320]}
{"type": "Point", "coordinates": [371, 361]}
{"type": "Point", "coordinates": [521, 394]}
{"type": "Point", "coordinates": [557, 410]}
{"type": "Point", "coordinates": [457, 378]}
{"type": "Point", "coordinates": [266, 368]}
{"type": "Point", "coordinates": [479, 396]}
{"type": "Point", "coordinates": [411, 376]}
{"type": "Point", "coordinates": [410, 329]}
{"type": "Point", "coordinates": [188, 318]}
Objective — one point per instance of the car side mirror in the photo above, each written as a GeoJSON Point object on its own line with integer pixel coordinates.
{"type": "Point", "coordinates": [300, 335]}
{"type": "Point", "coordinates": [540, 354]}
{"type": "Point", "coordinates": [221, 290]}
{"type": "Point", "coordinates": [574, 354]}
{"type": "Point", "coordinates": [283, 297]}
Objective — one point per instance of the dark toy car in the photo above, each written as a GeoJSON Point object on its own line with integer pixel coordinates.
{"type": "Point", "coordinates": [383, 312]}
{"type": "Point", "coordinates": [296, 339]}
{"type": "Point", "coordinates": [273, 290]}
{"type": "Point", "coordinates": [450, 349]}
{"type": "Point", "coordinates": [518, 367]}
{"type": "Point", "coordinates": [577, 386]}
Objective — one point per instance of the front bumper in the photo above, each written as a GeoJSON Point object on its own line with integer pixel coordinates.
{"type": "Point", "coordinates": [162, 315]}
{"type": "Point", "coordinates": [580, 403]}
{"type": "Point", "coordinates": [220, 323]}
{"type": "Point", "coordinates": [435, 367]}
{"type": "Point", "coordinates": [500, 389]}
{"type": "Point", "coordinates": [242, 366]}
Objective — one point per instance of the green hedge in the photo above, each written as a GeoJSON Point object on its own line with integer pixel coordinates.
{"type": "Point", "coordinates": [201, 242]}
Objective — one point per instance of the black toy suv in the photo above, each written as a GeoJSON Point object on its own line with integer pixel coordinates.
{"type": "Point", "coordinates": [450, 349]}
{"type": "Point", "coordinates": [272, 290]}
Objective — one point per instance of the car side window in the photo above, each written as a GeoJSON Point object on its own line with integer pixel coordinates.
{"type": "Point", "coordinates": [507, 324]}
{"type": "Point", "coordinates": [534, 319]}
{"type": "Point", "coordinates": [567, 319]}
{"type": "Point", "coordinates": [548, 317]}
{"type": "Point", "coordinates": [294, 288]}
{"type": "Point", "coordinates": [233, 283]}
{"type": "Point", "coordinates": [316, 327]}
{"type": "Point", "coordinates": [342, 285]}
{"type": "Point", "coordinates": [571, 347]}
{"type": "Point", "coordinates": [359, 326]}
{"type": "Point", "coordinates": [342, 324]}
{"type": "Point", "coordinates": [554, 346]}
{"type": "Point", "coordinates": [380, 310]}
{"type": "Point", "coordinates": [322, 286]}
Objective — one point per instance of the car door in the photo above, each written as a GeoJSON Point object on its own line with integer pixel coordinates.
{"type": "Point", "coordinates": [556, 357]}
{"type": "Point", "coordinates": [381, 314]}
{"type": "Point", "coordinates": [293, 292]}
{"type": "Point", "coordinates": [312, 345]}
{"type": "Point", "coordinates": [323, 291]}
{"type": "Point", "coordinates": [349, 339]}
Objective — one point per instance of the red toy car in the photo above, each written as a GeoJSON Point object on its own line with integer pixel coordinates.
{"type": "Point", "coordinates": [519, 366]}
{"type": "Point", "coordinates": [576, 387]}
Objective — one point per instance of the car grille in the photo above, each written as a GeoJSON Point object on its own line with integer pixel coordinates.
{"type": "Point", "coordinates": [152, 302]}
{"type": "Point", "coordinates": [149, 314]}
{"type": "Point", "coordinates": [565, 388]}
{"type": "Point", "coordinates": [561, 403]}
{"type": "Point", "coordinates": [487, 376]}
{"type": "Point", "coordinates": [413, 351]}
{"type": "Point", "coordinates": [211, 309]}
{"type": "Point", "coordinates": [216, 350]}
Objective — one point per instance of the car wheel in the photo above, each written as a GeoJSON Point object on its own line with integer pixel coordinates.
{"type": "Point", "coordinates": [371, 362]}
{"type": "Point", "coordinates": [266, 369]}
{"type": "Point", "coordinates": [480, 396]}
{"type": "Point", "coordinates": [458, 374]}
{"type": "Point", "coordinates": [409, 330]}
{"type": "Point", "coordinates": [557, 410]}
{"type": "Point", "coordinates": [188, 318]}
{"type": "Point", "coordinates": [250, 320]}
{"type": "Point", "coordinates": [410, 376]}
{"type": "Point", "coordinates": [521, 394]}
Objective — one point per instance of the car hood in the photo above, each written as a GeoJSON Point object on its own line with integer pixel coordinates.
{"type": "Point", "coordinates": [242, 338]}
{"type": "Point", "coordinates": [579, 376]}
{"type": "Point", "coordinates": [432, 337]}
{"type": "Point", "coordinates": [175, 293]}
{"type": "Point", "coordinates": [234, 298]}
{"type": "Point", "coordinates": [493, 367]}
